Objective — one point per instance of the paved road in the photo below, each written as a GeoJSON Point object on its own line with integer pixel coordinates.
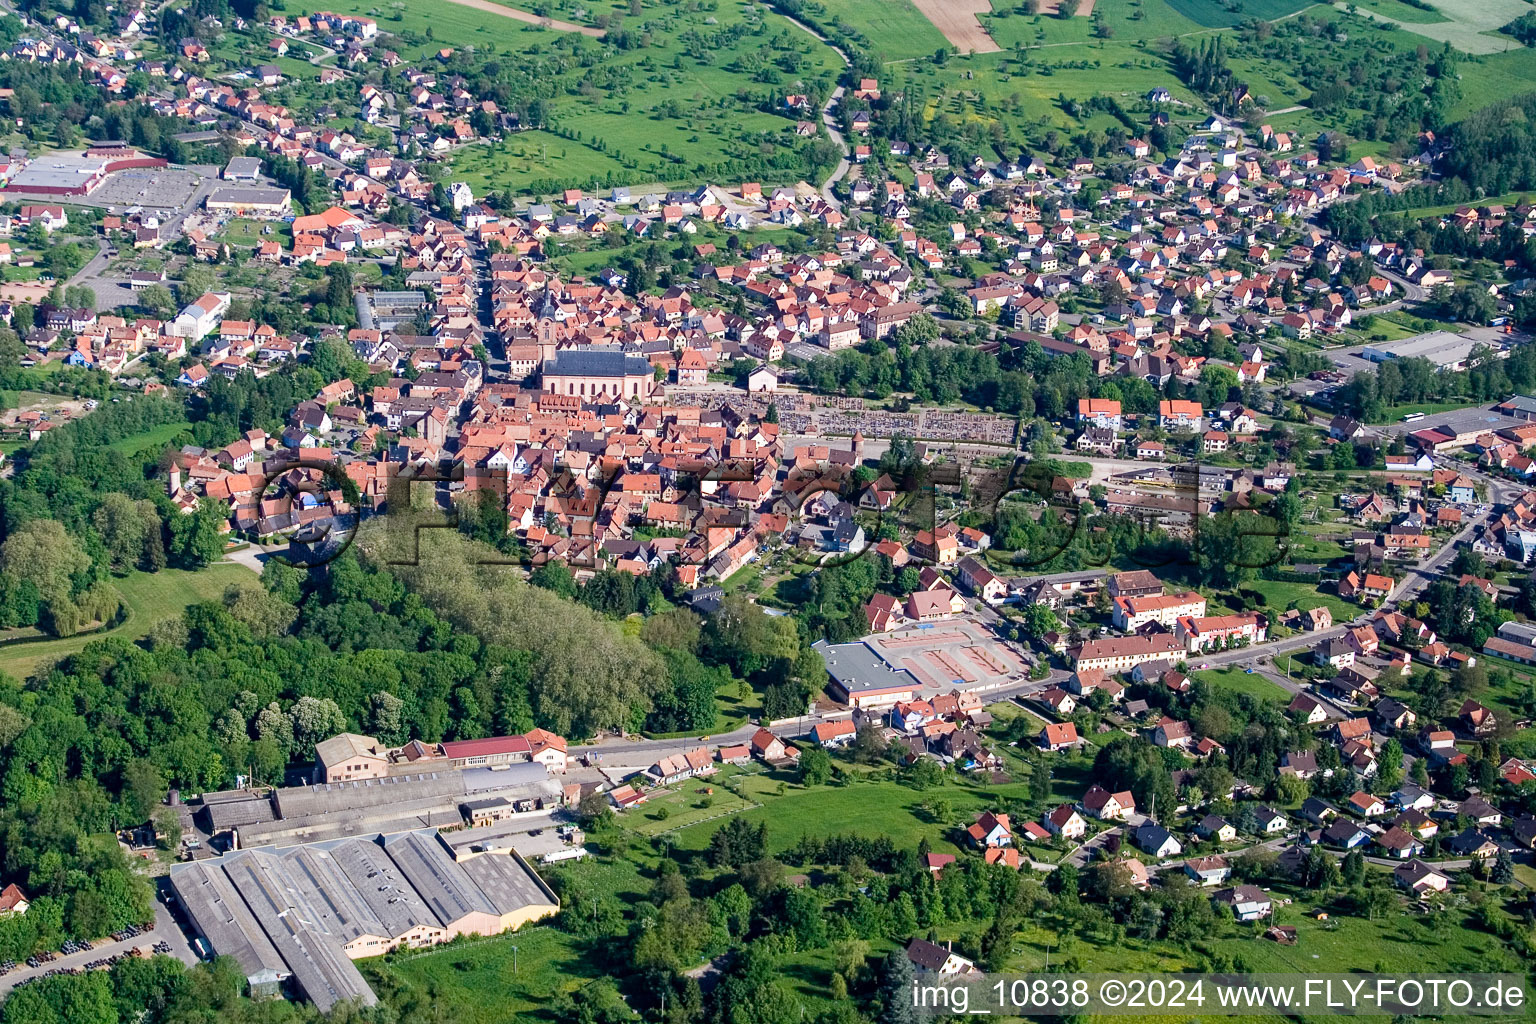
{"type": "Point", "coordinates": [109, 291]}
{"type": "Point", "coordinates": [827, 118]}
{"type": "Point", "coordinates": [829, 121]}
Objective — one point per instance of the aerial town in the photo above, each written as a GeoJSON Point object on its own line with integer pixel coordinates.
{"type": "Point", "coordinates": [716, 512]}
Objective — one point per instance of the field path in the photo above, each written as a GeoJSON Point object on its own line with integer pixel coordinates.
{"type": "Point", "coordinates": [532, 19]}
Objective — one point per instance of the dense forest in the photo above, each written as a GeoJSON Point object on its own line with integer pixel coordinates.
{"type": "Point", "coordinates": [1494, 152]}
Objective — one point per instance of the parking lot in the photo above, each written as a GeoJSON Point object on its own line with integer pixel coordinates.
{"type": "Point", "coordinates": [955, 653]}
{"type": "Point", "coordinates": [1459, 420]}
{"type": "Point", "coordinates": [164, 936]}
{"type": "Point", "coordinates": [154, 188]}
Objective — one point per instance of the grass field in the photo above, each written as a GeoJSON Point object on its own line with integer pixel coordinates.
{"type": "Point", "coordinates": [1235, 680]}
{"type": "Point", "coordinates": [684, 804]}
{"type": "Point", "coordinates": [1397, 412]}
{"type": "Point", "coordinates": [528, 156]}
{"type": "Point", "coordinates": [1399, 11]}
{"type": "Point", "coordinates": [1506, 73]}
{"type": "Point", "coordinates": [147, 597]}
{"type": "Point", "coordinates": [1214, 14]}
{"type": "Point", "coordinates": [1011, 23]}
{"type": "Point", "coordinates": [241, 233]}
{"type": "Point", "coordinates": [865, 808]}
{"type": "Point", "coordinates": [475, 983]}
{"type": "Point", "coordinates": [150, 440]}
{"type": "Point", "coordinates": [1469, 25]}
{"type": "Point", "coordinates": [25, 400]}
{"type": "Point", "coordinates": [895, 29]}
{"type": "Point", "coordinates": [1507, 199]}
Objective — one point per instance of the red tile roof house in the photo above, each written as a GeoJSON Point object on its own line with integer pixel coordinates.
{"type": "Point", "coordinates": [1066, 822]}
{"type": "Point", "coordinates": [1107, 806]}
{"type": "Point", "coordinates": [1059, 736]}
{"type": "Point", "coordinates": [834, 734]}
{"type": "Point", "coordinates": [768, 747]}
{"type": "Point", "coordinates": [13, 901]}
{"type": "Point", "coordinates": [991, 830]}
{"type": "Point", "coordinates": [937, 862]}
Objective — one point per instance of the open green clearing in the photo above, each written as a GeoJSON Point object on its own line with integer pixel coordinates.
{"type": "Point", "coordinates": [1399, 11]}
{"type": "Point", "coordinates": [474, 983]}
{"type": "Point", "coordinates": [529, 156]}
{"type": "Point", "coordinates": [1214, 14]}
{"type": "Point", "coordinates": [147, 597]}
{"type": "Point", "coordinates": [1280, 594]}
{"type": "Point", "coordinates": [241, 233]}
{"type": "Point", "coordinates": [896, 30]}
{"type": "Point", "coordinates": [1235, 680]}
{"type": "Point", "coordinates": [865, 808]}
{"type": "Point", "coordinates": [1506, 73]}
{"type": "Point", "coordinates": [25, 400]}
{"type": "Point", "coordinates": [685, 803]}
{"type": "Point", "coordinates": [149, 440]}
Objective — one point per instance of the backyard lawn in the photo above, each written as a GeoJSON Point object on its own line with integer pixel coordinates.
{"type": "Point", "coordinates": [148, 598]}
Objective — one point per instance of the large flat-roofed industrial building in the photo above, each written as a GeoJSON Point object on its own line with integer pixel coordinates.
{"type": "Point", "coordinates": [300, 814]}
{"type": "Point", "coordinates": [295, 918]}
{"type": "Point", "coordinates": [861, 679]}
{"type": "Point", "coordinates": [1446, 350]}
{"type": "Point", "coordinates": [249, 201]}
{"type": "Point", "coordinates": [77, 174]}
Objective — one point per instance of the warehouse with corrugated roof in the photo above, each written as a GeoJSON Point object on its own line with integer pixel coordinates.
{"type": "Point", "coordinates": [295, 918]}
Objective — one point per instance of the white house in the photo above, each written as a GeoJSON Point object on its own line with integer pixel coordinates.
{"type": "Point", "coordinates": [199, 318]}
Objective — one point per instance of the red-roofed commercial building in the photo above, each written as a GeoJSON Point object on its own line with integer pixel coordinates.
{"type": "Point", "coordinates": [491, 751]}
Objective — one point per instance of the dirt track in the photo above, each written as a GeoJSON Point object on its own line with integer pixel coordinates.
{"type": "Point", "coordinates": [956, 19]}
{"type": "Point", "coordinates": [532, 19]}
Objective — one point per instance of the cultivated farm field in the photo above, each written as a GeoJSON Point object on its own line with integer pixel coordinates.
{"type": "Point", "coordinates": [1216, 14]}
{"type": "Point", "coordinates": [956, 19]}
{"type": "Point", "coordinates": [1471, 26]}
{"type": "Point", "coordinates": [895, 29]}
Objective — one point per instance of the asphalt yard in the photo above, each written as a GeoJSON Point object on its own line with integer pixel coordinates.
{"type": "Point", "coordinates": [949, 654]}
{"type": "Point", "coordinates": [154, 188]}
